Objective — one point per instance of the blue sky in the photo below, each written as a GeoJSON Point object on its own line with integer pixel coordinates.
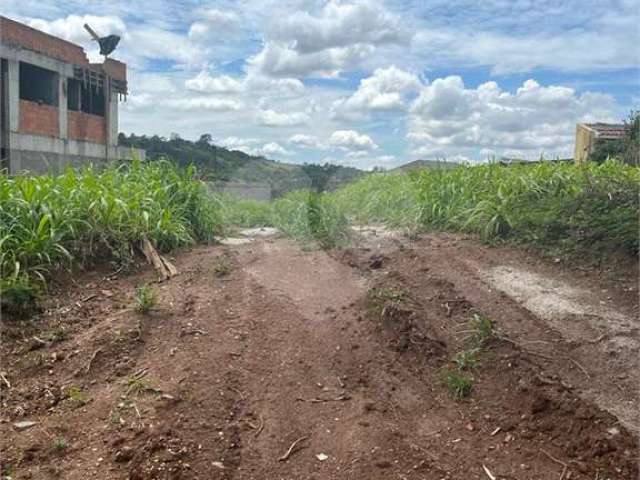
{"type": "Point", "coordinates": [366, 82]}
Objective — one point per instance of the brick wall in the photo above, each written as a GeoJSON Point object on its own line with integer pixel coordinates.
{"type": "Point", "coordinates": [38, 119]}
{"type": "Point", "coordinates": [83, 126]}
{"type": "Point", "coordinates": [18, 34]}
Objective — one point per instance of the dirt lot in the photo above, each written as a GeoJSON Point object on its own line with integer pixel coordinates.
{"type": "Point", "coordinates": [265, 360]}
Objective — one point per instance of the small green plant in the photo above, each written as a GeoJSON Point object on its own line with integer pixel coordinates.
{"type": "Point", "coordinates": [77, 396]}
{"type": "Point", "coordinates": [482, 330]}
{"type": "Point", "coordinates": [136, 385]}
{"type": "Point", "coordinates": [378, 298]}
{"type": "Point", "coordinates": [458, 384]}
{"type": "Point", "coordinates": [222, 267]}
{"type": "Point", "coordinates": [60, 444]}
{"type": "Point", "coordinates": [466, 359]}
{"type": "Point", "coordinates": [18, 296]}
{"type": "Point", "coordinates": [56, 335]}
{"type": "Point", "coordinates": [145, 298]}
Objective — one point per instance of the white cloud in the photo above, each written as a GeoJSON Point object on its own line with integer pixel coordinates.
{"type": "Point", "coordinates": [306, 141]}
{"type": "Point", "coordinates": [235, 142]}
{"type": "Point", "coordinates": [323, 42]}
{"type": "Point", "coordinates": [447, 118]}
{"type": "Point", "coordinates": [272, 148]}
{"type": "Point", "coordinates": [387, 89]}
{"type": "Point", "coordinates": [285, 61]}
{"type": "Point", "coordinates": [204, 103]}
{"type": "Point", "coordinates": [252, 83]}
{"type": "Point", "coordinates": [337, 25]}
{"type": "Point", "coordinates": [271, 118]}
{"type": "Point", "coordinates": [213, 23]}
{"type": "Point", "coordinates": [351, 140]}
{"type": "Point", "coordinates": [222, 84]}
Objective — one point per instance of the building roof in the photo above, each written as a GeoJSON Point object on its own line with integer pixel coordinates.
{"type": "Point", "coordinates": [608, 131]}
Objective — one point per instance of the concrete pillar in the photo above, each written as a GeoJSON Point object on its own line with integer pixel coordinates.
{"type": "Point", "coordinates": [13, 75]}
{"type": "Point", "coordinates": [111, 119]}
{"type": "Point", "coordinates": [62, 106]}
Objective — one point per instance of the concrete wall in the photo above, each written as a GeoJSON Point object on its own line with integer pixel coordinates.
{"type": "Point", "coordinates": [247, 191]}
{"type": "Point", "coordinates": [43, 138]}
{"type": "Point", "coordinates": [585, 143]}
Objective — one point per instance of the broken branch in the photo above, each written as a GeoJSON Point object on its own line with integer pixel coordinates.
{"type": "Point", "coordinates": [4, 379]}
{"type": "Point", "coordinates": [288, 453]}
{"type": "Point", "coordinates": [260, 428]}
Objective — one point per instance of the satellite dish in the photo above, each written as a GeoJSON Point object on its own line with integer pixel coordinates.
{"type": "Point", "coordinates": [107, 44]}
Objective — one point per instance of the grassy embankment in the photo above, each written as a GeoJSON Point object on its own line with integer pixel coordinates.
{"type": "Point", "coordinates": [50, 222]}
{"type": "Point", "coordinates": [563, 208]}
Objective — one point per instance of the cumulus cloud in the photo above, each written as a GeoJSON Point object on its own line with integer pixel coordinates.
{"type": "Point", "coordinates": [272, 148]}
{"type": "Point", "coordinates": [387, 89]}
{"type": "Point", "coordinates": [322, 43]}
{"type": "Point", "coordinates": [351, 140]}
{"type": "Point", "coordinates": [205, 103]}
{"type": "Point", "coordinates": [448, 118]}
{"type": "Point", "coordinates": [221, 84]}
{"type": "Point", "coordinates": [204, 82]}
{"type": "Point", "coordinates": [212, 23]}
{"type": "Point", "coordinates": [285, 61]}
{"type": "Point", "coordinates": [271, 118]}
{"type": "Point", "coordinates": [306, 141]}
{"type": "Point", "coordinates": [338, 24]}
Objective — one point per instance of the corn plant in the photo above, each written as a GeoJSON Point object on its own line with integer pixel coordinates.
{"type": "Point", "coordinates": [48, 222]}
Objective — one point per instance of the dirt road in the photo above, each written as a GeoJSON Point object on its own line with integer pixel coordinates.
{"type": "Point", "coordinates": [265, 360]}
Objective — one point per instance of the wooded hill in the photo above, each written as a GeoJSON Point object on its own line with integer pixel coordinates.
{"type": "Point", "coordinates": [220, 164]}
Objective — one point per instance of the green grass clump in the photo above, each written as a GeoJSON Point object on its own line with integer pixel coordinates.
{"type": "Point", "coordinates": [77, 396]}
{"type": "Point", "coordinates": [466, 360]}
{"type": "Point", "coordinates": [60, 444]}
{"type": "Point", "coordinates": [458, 384]}
{"type": "Point", "coordinates": [310, 216]}
{"type": "Point", "coordinates": [48, 221]}
{"type": "Point", "coordinates": [222, 267]}
{"type": "Point", "coordinates": [482, 330]}
{"type": "Point", "coordinates": [18, 296]}
{"type": "Point", "coordinates": [145, 298]}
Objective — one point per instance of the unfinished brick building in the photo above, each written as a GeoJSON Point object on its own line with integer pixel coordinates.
{"type": "Point", "coordinates": [56, 108]}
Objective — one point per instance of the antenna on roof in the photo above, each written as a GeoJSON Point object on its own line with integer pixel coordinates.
{"type": "Point", "coordinates": [107, 44]}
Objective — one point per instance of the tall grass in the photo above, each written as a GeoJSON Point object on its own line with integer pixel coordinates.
{"type": "Point", "coordinates": [307, 216]}
{"type": "Point", "coordinates": [245, 212]}
{"type": "Point", "coordinates": [380, 198]}
{"type": "Point", "coordinates": [50, 221]}
{"type": "Point", "coordinates": [560, 206]}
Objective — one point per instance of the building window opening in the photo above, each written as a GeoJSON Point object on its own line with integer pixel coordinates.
{"type": "Point", "coordinates": [92, 100]}
{"type": "Point", "coordinates": [73, 95]}
{"type": "Point", "coordinates": [38, 84]}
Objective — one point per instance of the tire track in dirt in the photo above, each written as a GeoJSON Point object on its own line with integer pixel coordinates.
{"type": "Point", "coordinates": [240, 365]}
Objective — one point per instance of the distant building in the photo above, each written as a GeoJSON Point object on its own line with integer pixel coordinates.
{"type": "Point", "coordinates": [244, 190]}
{"type": "Point", "coordinates": [589, 135]}
{"type": "Point", "coordinates": [56, 108]}
{"type": "Point", "coordinates": [425, 164]}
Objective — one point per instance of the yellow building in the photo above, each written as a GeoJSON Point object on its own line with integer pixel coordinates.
{"type": "Point", "coordinates": [589, 135]}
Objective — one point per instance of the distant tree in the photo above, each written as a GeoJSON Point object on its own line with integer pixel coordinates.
{"type": "Point", "coordinates": [632, 139]}
{"type": "Point", "coordinates": [205, 140]}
